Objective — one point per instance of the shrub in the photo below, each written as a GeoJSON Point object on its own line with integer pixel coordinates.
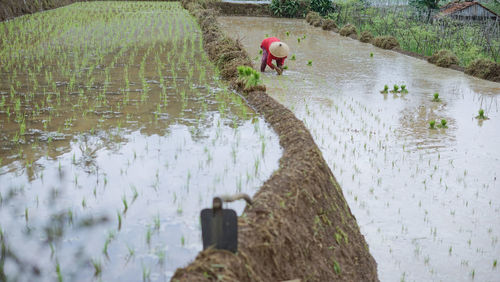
{"type": "Point", "coordinates": [347, 30]}
{"type": "Point", "coordinates": [443, 58]}
{"type": "Point", "coordinates": [366, 37]}
{"type": "Point", "coordinates": [485, 69]}
{"type": "Point", "coordinates": [328, 24]}
{"type": "Point", "coordinates": [385, 42]}
{"type": "Point", "coordinates": [290, 8]}
{"type": "Point", "coordinates": [323, 7]}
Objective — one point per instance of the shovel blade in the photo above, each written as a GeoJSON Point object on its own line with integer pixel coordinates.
{"type": "Point", "coordinates": [219, 229]}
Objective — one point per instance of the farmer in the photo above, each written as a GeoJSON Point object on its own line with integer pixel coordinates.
{"type": "Point", "coordinates": [273, 49]}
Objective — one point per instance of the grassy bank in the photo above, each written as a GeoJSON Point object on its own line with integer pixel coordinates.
{"type": "Point", "coordinates": [467, 40]}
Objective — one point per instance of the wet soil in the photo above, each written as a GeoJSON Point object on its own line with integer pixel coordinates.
{"type": "Point", "coordinates": [426, 199]}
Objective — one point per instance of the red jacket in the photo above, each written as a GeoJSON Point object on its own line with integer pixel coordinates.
{"type": "Point", "coordinates": [265, 45]}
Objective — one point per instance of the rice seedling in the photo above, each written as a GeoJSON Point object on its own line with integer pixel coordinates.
{"type": "Point", "coordinates": [481, 115]}
{"type": "Point", "coordinates": [157, 222]}
{"type": "Point", "coordinates": [249, 76]}
{"type": "Point", "coordinates": [403, 89]}
{"type": "Point", "coordinates": [58, 272]}
{"type": "Point", "coordinates": [97, 267]}
{"type": "Point", "coordinates": [298, 40]}
{"type": "Point", "coordinates": [148, 236]}
{"type": "Point", "coordinates": [309, 62]}
{"type": "Point", "coordinates": [125, 204]}
{"type": "Point", "coordinates": [385, 90]}
{"type": "Point", "coordinates": [432, 124]}
{"type": "Point", "coordinates": [443, 124]}
{"type": "Point", "coordinates": [146, 273]}
{"type": "Point", "coordinates": [395, 89]}
{"type": "Point", "coordinates": [293, 57]}
{"type": "Point", "coordinates": [371, 54]}
{"type": "Point", "coordinates": [336, 267]}
{"type": "Point", "coordinates": [287, 33]}
{"type": "Point", "coordinates": [119, 220]}
{"type": "Point", "coordinates": [436, 98]}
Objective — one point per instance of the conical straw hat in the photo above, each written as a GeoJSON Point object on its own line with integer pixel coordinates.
{"type": "Point", "coordinates": [279, 49]}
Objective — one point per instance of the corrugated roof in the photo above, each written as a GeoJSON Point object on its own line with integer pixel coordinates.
{"type": "Point", "coordinates": [453, 7]}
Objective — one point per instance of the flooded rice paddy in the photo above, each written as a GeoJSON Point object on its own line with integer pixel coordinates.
{"type": "Point", "coordinates": [114, 133]}
{"type": "Point", "coordinates": [427, 200]}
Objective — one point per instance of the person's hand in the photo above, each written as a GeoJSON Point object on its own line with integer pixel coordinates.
{"type": "Point", "coordinates": [279, 70]}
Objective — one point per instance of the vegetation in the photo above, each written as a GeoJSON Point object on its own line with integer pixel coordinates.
{"type": "Point", "coordinates": [300, 8]}
{"type": "Point", "coordinates": [348, 30]}
{"type": "Point", "coordinates": [385, 90]}
{"type": "Point", "coordinates": [329, 24]}
{"type": "Point", "coordinates": [414, 28]}
{"type": "Point", "coordinates": [481, 115]}
{"type": "Point", "coordinates": [432, 124]}
{"type": "Point", "coordinates": [395, 89]}
{"type": "Point", "coordinates": [483, 68]}
{"type": "Point", "coordinates": [385, 42]}
{"type": "Point", "coordinates": [116, 79]}
{"type": "Point", "coordinates": [366, 36]}
{"type": "Point", "coordinates": [443, 58]}
{"type": "Point", "coordinates": [443, 124]}
{"type": "Point", "coordinates": [249, 76]}
{"type": "Point", "coordinates": [436, 98]}
{"type": "Point", "coordinates": [427, 5]}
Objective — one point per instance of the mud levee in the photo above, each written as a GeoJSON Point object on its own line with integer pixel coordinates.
{"type": "Point", "coordinates": [241, 9]}
{"type": "Point", "coordinates": [14, 8]}
{"type": "Point", "coordinates": [300, 226]}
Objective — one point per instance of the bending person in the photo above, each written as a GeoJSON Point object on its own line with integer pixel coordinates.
{"type": "Point", "coordinates": [273, 49]}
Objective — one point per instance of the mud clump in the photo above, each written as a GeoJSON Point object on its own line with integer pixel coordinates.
{"type": "Point", "coordinates": [366, 37]}
{"type": "Point", "coordinates": [292, 230]}
{"type": "Point", "coordinates": [385, 42]}
{"type": "Point", "coordinates": [312, 16]}
{"type": "Point", "coordinates": [484, 69]}
{"type": "Point", "coordinates": [317, 22]}
{"type": "Point", "coordinates": [443, 58]}
{"type": "Point", "coordinates": [329, 24]}
{"type": "Point", "coordinates": [348, 30]}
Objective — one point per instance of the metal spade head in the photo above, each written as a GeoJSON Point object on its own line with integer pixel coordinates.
{"type": "Point", "coordinates": [219, 227]}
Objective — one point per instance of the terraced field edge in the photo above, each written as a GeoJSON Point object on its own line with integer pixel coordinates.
{"type": "Point", "coordinates": [300, 226]}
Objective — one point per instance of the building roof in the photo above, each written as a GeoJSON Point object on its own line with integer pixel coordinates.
{"type": "Point", "coordinates": [453, 7]}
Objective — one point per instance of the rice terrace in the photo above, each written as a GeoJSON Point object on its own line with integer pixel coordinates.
{"type": "Point", "coordinates": [363, 134]}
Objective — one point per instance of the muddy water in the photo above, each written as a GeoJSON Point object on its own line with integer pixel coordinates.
{"type": "Point", "coordinates": [427, 200]}
{"type": "Point", "coordinates": [114, 133]}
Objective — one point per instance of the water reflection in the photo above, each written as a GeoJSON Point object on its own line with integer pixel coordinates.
{"type": "Point", "coordinates": [114, 132]}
